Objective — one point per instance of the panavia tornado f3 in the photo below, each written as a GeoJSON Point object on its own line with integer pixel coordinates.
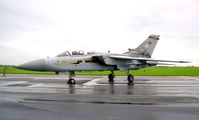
{"type": "Point", "coordinates": [134, 59]}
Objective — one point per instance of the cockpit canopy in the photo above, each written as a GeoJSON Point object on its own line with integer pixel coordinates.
{"type": "Point", "coordinates": [81, 52]}
{"type": "Point", "coordinates": [63, 54]}
{"type": "Point", "coordinates": [66, 53]}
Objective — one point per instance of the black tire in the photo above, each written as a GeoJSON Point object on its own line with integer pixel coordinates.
{"type": "Point", "coordinates": [130, 78]}
{"type": "Point", "coordinates": [71, 81]}
{"type": "Point", "coordinates": [111, 77]}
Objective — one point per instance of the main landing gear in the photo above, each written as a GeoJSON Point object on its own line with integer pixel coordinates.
{"type": "Point", "coordinates": [71, 79]}
{"type": "Point", "coordinates": [111, 76]}
{"type": "Point", "coordinates": [130, 77]}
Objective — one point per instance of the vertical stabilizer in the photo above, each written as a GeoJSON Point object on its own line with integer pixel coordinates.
{"type": "Point", "coordinates": [146, 48]}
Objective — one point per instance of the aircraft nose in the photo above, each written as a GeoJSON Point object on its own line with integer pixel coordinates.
{"type": "Point", "coordinates": [36, 65]}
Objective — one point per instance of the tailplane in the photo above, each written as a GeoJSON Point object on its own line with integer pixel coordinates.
{"type": "Point", "coordinates": [146, 48]}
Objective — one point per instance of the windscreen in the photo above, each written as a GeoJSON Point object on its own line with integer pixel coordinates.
{"type": "Point", "coordinates": [65, 53]}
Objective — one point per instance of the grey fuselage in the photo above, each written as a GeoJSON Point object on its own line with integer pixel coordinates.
{"type": "Point", "coordinates": [92, 61]}
{"type": "Point", "coordinates": [83, 63]}
{"type": "Point", "coordinates": [76, 63]}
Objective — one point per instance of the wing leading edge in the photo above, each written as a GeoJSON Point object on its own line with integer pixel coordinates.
{"type": "Point", "coordinates": [123, 63]}
{"type": "Point", "coordinates": [144, 59]}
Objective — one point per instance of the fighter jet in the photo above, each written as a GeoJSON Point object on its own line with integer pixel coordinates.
{"type": "Point", "coordinates": [133, 59]}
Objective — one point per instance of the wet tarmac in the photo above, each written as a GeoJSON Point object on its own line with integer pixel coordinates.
{"type": "Point", "coordinates": [48, 97]}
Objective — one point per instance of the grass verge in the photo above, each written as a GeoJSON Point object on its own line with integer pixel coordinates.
{"type": "Point", "coordinates": [152, 71]}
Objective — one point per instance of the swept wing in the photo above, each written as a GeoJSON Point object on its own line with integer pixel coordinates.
{"type": "Point", "coordinates": [144, 59]}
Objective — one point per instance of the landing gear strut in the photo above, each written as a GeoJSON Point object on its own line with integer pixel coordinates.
{"type": "Point", "coordinates": [111, 76]}
{"type": "Point", "coordinates": [71, 79]}
{"type": "Point", "coordinates": [130, 77]}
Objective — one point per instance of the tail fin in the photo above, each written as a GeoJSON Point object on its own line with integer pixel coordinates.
{"type": "Point", "coordinates": [146, 48]}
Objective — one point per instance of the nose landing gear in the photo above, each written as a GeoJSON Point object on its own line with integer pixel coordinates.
{"type": "Point", "coordinates": [71, 79]}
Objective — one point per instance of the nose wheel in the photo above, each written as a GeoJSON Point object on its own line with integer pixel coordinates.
{"type": "Point", "coordinates": [71, 79]}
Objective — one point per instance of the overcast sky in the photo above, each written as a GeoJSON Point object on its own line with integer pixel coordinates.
{"type": "Point", "coordinates": [31, 29]}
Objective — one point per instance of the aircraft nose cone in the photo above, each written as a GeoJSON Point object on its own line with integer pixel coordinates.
{"type": "Point", "coordinates": [36, 65]}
